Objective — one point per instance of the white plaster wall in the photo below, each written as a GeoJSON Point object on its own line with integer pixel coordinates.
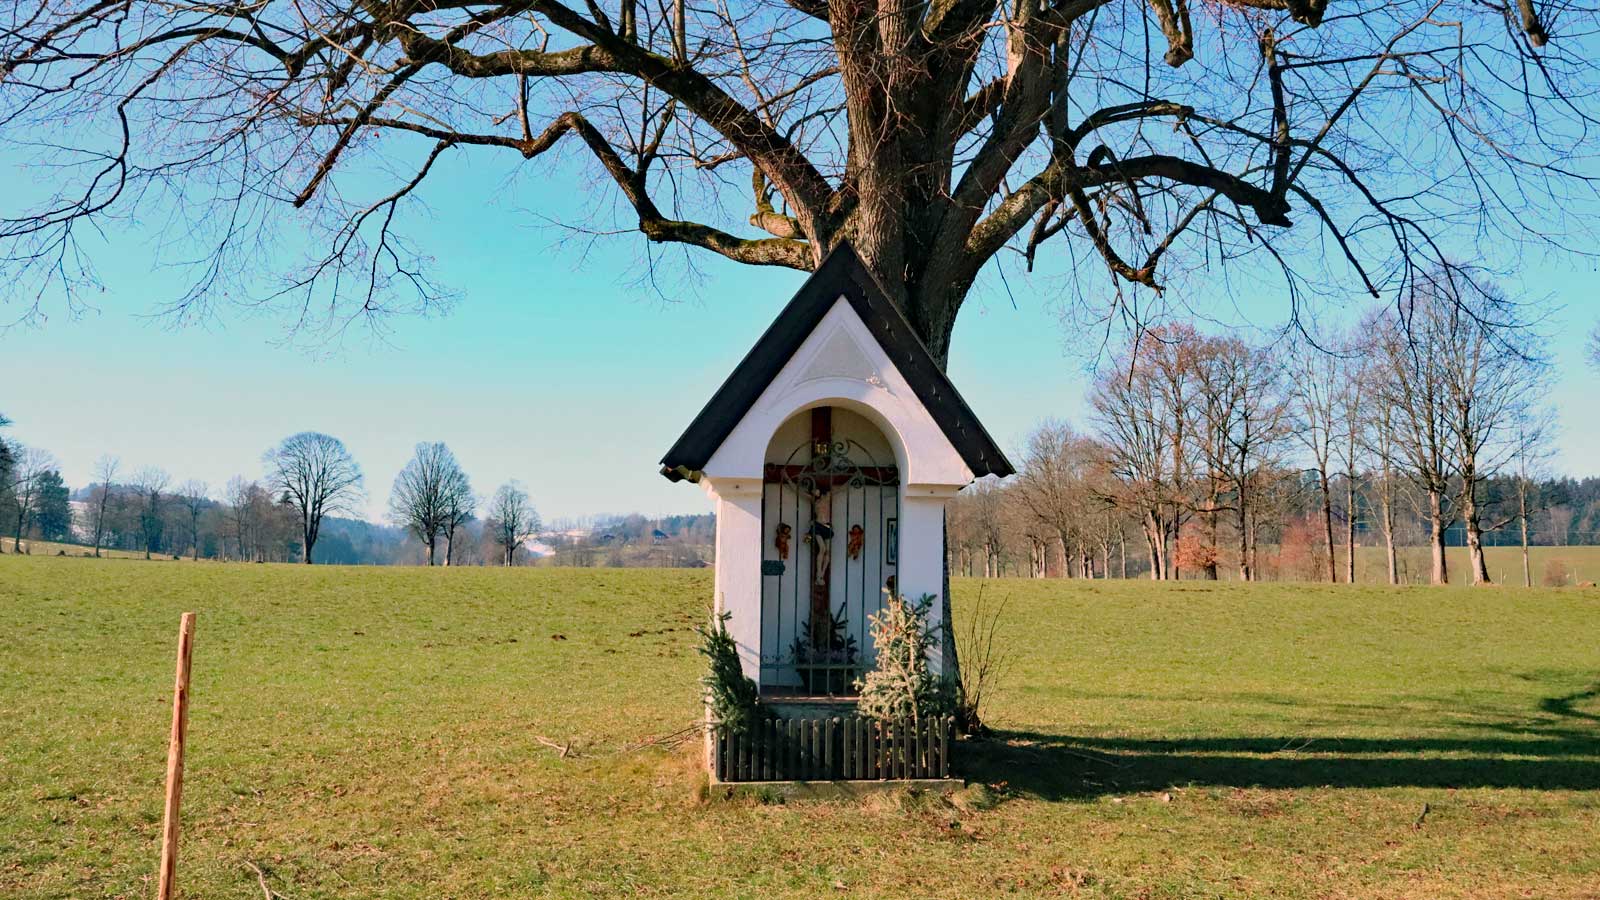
{"type": "Point", "coordinates": [738, 573]}
{"type": "Point", "coordinates": [922, 553]}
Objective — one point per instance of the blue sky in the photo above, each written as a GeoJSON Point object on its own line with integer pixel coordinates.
{"type": "Point", "coordinates": [556, 366]}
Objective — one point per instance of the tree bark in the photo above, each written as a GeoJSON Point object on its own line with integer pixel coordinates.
{"type": "Point", "coordinates": [1242, 518]}
{"type": "Point", "coordinates": [1436, 524]}
{"type": "Point", "coordinates": [1350, 528]}
{"type": "Point", "coordinates": [1522, 518]}
{"type": "Point", "coordinates": [1475, 556]}
{"type": "Point", "coordinates": [1327, 523]}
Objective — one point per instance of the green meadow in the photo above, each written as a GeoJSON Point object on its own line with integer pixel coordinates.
{"type": "Point", "coordinates": [477, 733]}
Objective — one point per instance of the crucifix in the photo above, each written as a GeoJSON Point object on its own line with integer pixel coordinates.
{"type": "Point", "coordinates": [820, 534]}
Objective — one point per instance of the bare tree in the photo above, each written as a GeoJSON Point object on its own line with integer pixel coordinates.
{"type": "Point", "coordinates": [150, 485]}
{"type": "Point", "coordinates": [459, 507]}
{"type": "Point", "coordinates": [28, 468]}
{"type": "Point", "coordinates": [513, 520]}
{"type": "Point", "coordinates": [1349, 405]}
{"type": "Point", "coordinates": [1494, 382]}
{"type": "Point", "coordinates": [1053, 488]}
{"type": "Point", "coordinates": [988, 522]}
{"type": "Point", "coordinates": [1412, 384]}
{"type": "Point", "coordinates": [191, 496]}
{"type": "Point", "coordinates": [105, 473]}
{"type": "Point", "coordinates": [1244, 420]}
{"type": "Point", "coordinates": [1379, 442]}
{"type": "Point", "coordinates": [433, 498]}
{"type": "Point", "coordinates": [1313, 384]}
{"type": "Point", "coordinates": [240, 494]}
{"type": "Point", "coordinates": [933, 135]}
{"type": "Point", "coordinates": [421, 498]}
{"type": "Point", "coordinates": [313, 473]}
{"type": "Point", "coordinates": [1532, 453]}
{"type": "Point", "coordinates": [1134, 423]}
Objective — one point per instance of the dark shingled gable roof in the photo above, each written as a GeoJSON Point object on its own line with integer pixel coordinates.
{"type": "Point", "coordinates": [841, 274]}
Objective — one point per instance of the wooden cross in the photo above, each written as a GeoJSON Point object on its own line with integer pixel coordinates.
{"type": "Point", "coordinates": [821, 588]}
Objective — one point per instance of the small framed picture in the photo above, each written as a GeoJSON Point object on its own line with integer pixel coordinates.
{"type": "Point", "coordinates": [891, 538]}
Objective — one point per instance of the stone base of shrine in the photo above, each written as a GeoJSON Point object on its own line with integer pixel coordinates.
{"type": "Point", "coordinates": [829, 790]}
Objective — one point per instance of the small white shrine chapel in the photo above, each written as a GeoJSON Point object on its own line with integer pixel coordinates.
{"type": "Point", "coordinates": [830, 453]}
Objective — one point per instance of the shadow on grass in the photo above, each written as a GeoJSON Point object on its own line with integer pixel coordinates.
{"type": "Point", "coordinates": [1554, 754]}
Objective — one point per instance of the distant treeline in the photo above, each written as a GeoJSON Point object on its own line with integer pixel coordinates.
{"type": "Point", "coordinates": [637, 541]}
{"type": "Point", "coordinates": [1428, 425]}
{"type": "Point", "coordinates": [300, 508]}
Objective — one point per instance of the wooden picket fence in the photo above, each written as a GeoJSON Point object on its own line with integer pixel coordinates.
{"type": "Point", "coordinates": [849, 748]}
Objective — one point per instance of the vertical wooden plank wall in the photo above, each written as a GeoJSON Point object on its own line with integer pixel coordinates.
{"type": "Point", "coordinates": [834, 749]}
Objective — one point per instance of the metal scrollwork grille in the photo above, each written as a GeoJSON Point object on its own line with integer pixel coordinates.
{"type": "Point", "coordinates": [802, 655]}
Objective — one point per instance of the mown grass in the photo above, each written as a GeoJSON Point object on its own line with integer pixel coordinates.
{"type": "Point", "coordinates": [377, 732]}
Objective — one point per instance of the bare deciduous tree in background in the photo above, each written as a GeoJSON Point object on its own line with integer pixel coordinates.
{"type": "Point", "coordinates": [1245, 417]}
{"type": "Point", "coordinates": [459, 507]}
{"type": "Point", "coordinates": [1494, 381]}
{"type": "Point", "coordinates": [1532, 453]}
{"type": "Point", "coordinates": [1313, 382]}
{"type": "Point", "coordinates": [239, 495]}
{"type": "Point", "coordinates": [191, 496]}
{"type": "Point", "coordinates": [102, 496]}
{"type": "Point", "coordinates": [425, 492]}
{"type": "Point", "coordinates": [1349, 405]}
{"type": "Point", "coordinates": [1379, 444]}
{"type": "Point", "coordinates": [1053, 487]}
{"type": "Point", "coordinates": [1413, 385]}
{"type": "Point", "coordinates": [29, 465]}
{"type": "Point", "coordinates": [317, 476]}
{"type": "Point", "coordinates": [513, 520]}
{"type": "Point", "coordinates": [150, 485]}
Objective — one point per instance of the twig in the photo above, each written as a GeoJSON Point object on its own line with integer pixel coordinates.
{"type": "Point", "coordinates": [563, 750]}
{"type": "Point", "coordinates": [261, 878]}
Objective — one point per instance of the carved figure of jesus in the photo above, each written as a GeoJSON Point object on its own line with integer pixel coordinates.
{"type": "Point", "coordinates": [821, 535]}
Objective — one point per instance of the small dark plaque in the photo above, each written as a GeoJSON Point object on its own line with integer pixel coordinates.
{"type": "Point", "coordinates": [772, 567]}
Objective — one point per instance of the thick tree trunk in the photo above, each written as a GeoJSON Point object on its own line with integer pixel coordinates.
{"type": "Point", "coordinates": [1327, 523]}
{"type": "Point", "coordinates": [1350, 529]}
{"type": "Point", "coordinates": [1441, 567]}
{"type": "Point", "coordinates": [1469, 510]}
{"type": "Point", "coordinates": [1210, 568]}
{"type": "Point", "coordinates": [1522, 519]}
{"type": "Point", "coordinates": [1153, 538]}
{"type": "Point", "coordinates": [1391, 558]}
{"type": "Point", "coordinates": [1245, 571]}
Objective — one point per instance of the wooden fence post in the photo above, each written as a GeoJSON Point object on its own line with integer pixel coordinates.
{"type": "Point", "coordinates": [168, 883]}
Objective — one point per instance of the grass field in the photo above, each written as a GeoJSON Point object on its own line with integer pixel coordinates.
{"type": "Point", "coordinates": [1571, 565]}
{"type": "Point", "coordinates": [377, 733]}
